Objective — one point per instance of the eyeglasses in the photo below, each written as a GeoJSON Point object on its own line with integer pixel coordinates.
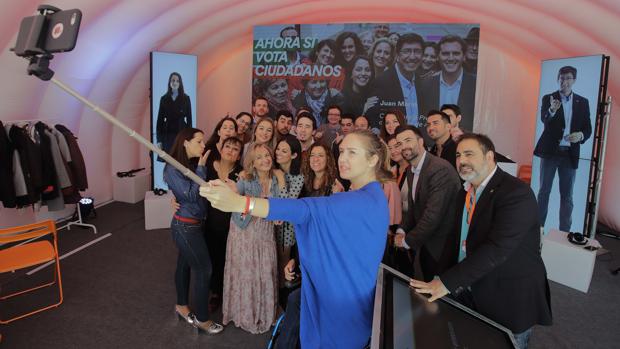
{"type": "Point", "coordinates": [566, 79]}
{"type": "Point", "coordinates": [332, 114]}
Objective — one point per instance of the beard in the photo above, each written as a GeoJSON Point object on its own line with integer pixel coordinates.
{"type": "Point", "coordinates": [409, 154]}
{"type": "Point", "coordinates": [472, 173]}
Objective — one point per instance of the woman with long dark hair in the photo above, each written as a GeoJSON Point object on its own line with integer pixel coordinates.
{"type": "Point", "coordinates": [324, 52]}
{"type": "Point", "coordinates": [391, 121]}
{"type": "Point", "coordinates": [357, 99]}
{"type": "Point", "coordinates": [288, 164]}
{"type": "Point", "coordinates": [175, 113]}
{"type": "Point", "coordinates": [193, 259]}
{"type": "Point", "coordinates": [224, 129]}
{"type": "Point", "coordinates": [348, 45]}
{"type": "Point", "coordinates": [350, 228]}
{"type": "Point", "coordinates": [430, 61]}
{"type": "Point", "coordinates": [227, 169]}
{"type": "Point", "coordinates": [320, 172]}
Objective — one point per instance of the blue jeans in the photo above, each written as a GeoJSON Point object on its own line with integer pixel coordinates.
{"type": "Point", "coordinates": [289, 333]}
{"type": "Point", "coordinates": [548, 166]}
{"type": "Point", "coordinates": [523, 338]}
{"type": "Point", "coordinates": [193, 260]}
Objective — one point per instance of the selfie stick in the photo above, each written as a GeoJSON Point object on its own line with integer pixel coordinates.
{"type": "Point", "coordinates": [32, 45]}
{"type": "Point", "coordinates": [132, 133]}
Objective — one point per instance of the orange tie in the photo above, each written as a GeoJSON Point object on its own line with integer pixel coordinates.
{"type": "Point", "coordinates": [470, 204]}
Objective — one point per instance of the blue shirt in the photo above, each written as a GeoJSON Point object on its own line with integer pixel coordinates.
{"type": "Point", "coordinates": [464, 223]}
{"type": "Point", "coordinates": [567, 105]}
{"type": "Point", "coordinates": [411, 97]}
{"type": "Point", "coordinates": [341, 239]}
{"type": "Point", "coordinates": [449, 94]}
{"type": "Point", "coordinates": [186, 192]}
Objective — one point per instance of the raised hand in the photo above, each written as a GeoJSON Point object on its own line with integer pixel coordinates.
{"type": "Point", "coordinates": [555, 104]}
{"type": "Point", "coordinates": [203, 159]}
{"type": "Point", "coordinates": [370, 102]}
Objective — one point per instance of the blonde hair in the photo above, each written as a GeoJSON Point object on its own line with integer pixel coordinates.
{"type": "Point", "coordinates": [248, 160]}
{"type": "Point", "coordinates": [375, 146]}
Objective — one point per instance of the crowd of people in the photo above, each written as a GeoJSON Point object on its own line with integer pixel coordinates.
{"type": "Point", "coordinates": [304, 207]}
{"type": "Point", "coordinates": [325, 179]}
{"type": "Point", "coordinates": [379, 71]}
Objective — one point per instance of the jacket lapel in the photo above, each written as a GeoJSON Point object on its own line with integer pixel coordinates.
{"type": "Point", "coordinates": [487, 195]}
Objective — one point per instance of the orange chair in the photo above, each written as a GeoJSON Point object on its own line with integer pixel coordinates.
{"type": "Point", "coordinates": [28, 254]}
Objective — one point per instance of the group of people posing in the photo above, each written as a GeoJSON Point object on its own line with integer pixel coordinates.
{"type": "Point", "coordinates": [364, 198]}
{"type": "Point", "coordinates": [381, 71]}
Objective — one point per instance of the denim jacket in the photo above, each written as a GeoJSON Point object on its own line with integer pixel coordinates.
{"type": "Point", "coordinates": [186, 192]}
{"type": "Point", "coordinates": [252, 188]}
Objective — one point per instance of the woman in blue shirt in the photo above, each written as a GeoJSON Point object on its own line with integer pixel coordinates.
{"type": "Point", "coordinates": [187, 232]}
{"type": "Point", "coordinates": [341, 239]}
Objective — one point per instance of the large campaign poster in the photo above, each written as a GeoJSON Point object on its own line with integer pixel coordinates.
{"type": "Point", "coordinates": [173, 103]}
{"type": "Point", "coordinates": [565, 129]}
{"type": "Point", "coordinates": [367, 69]}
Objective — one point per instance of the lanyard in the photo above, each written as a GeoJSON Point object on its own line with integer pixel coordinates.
{"type": "Point", "coordinates": [470, 204]}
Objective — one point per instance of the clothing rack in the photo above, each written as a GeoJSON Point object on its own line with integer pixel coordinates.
{"type": "Point", "coordinates": [51, 122]}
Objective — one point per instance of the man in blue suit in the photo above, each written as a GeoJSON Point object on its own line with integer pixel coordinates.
{"type": "Point", "coordinates": [566, 116]}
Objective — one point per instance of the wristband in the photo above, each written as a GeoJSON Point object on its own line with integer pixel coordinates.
{"type": "Point", "coordinates": [247, 206]}
{"type": "Point", "coordinates": [251, 205]}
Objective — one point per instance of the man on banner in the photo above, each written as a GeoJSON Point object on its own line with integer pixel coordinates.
{"type": "Point", "coordinates": [566, 116]}
{"type": "Point", "coordinates": [397, 87]}
{"type": "Point", "coordinates": [452, 85]}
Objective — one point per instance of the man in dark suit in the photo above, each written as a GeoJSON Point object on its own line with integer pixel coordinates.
{"type": "Point", "coordinates": [452, 85]}
{"type": "Point", "coordinates": [438, 128]}
{"type": "Point", "coordinates": [432, 185]}
{"type": "Point", "coordinates": [397, 87]}
{"type": "Point", "coordinates": [500, 272]}
{"type": "Point", "coordinates": [566, 116]}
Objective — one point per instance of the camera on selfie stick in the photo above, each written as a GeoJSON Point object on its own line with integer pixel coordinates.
{"type": "Point", "coordinates": [54, 30]}
{"type": "Point", "coordinates": [51, 31]}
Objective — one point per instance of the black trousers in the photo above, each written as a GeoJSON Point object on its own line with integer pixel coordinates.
{"type": "Point", "coordinates": [193, 260]}
{"type": "Point", "coordinates": [289, 334]}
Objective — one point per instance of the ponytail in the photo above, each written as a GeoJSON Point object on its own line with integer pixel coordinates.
{"type": "Point", "coordinates": [376, 146]}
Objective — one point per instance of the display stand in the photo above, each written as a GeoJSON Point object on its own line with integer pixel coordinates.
{"type": "Point", "coordinates": [131, 189]}
{"type": "Point", "coordinates": [566, 263]}
{"type": "Point", "coordinates": [157, 211]}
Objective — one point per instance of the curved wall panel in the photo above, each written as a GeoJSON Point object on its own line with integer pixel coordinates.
{"type": "Point", "coordinates": [111, 66]}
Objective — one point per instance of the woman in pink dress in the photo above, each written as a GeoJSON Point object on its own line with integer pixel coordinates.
{"type": "Point", "coordinates": [250, 273]}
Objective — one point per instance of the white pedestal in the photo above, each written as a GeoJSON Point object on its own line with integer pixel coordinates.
{"type": "Point", "coordinates": [157, 211]}
{"type": "Point", "coordinates": [567, 263]}
{"type": "Point", "coordinates": [131, 189]}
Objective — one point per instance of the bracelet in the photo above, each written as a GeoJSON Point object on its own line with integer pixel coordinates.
{"type": "Point", "coordinates": [247, 206]}
{"type": "Point", "coordinates": [251, 206]}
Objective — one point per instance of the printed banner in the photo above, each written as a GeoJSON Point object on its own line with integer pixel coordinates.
{"type": "Point", "coordinates": [367, 69]}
